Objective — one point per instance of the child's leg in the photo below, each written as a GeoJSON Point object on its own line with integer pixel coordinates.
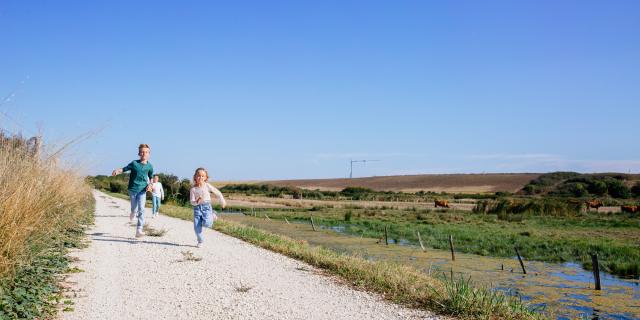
{"type": "Point", "coordinates": [198, 220]}
{"type": "Point", "coordinates": [141, 199]}
{"type": "Point", "coordinates": [154, 205]}
{"type": "Point", "coordinates": [134, 203]}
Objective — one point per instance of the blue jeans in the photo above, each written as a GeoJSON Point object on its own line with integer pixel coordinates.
{"type": "Point", "coordinates": [155, 200]}
{"type": "Point", "coordinates": [137, 206]}
{"type": "Point", "coordinates": [200, 213]}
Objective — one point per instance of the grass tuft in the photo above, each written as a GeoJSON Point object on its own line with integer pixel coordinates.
{"type": "Point", "coordinates": [152, 232]}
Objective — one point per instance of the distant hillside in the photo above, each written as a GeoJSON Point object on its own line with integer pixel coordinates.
{"type": "Point", "coordinates": [454, 183]}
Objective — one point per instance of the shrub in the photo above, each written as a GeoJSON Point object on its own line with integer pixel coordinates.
{"type": "Point", "coordinates": [117, 187]}
{"type": "Point", "coordinates": [598, 188]}
{"type": "Point", "coordinates": [618, 189]}
{"type": "Point", "coordinates": [635, 190]}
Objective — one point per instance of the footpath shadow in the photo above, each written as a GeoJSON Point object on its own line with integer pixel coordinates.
{"type": "Point", "coordinates": [108, 238]}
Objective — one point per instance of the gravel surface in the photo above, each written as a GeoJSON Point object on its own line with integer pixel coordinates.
{"type": "Point", "coordinates": [152, 278]}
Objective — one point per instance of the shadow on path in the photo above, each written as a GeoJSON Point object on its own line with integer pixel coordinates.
{"type": "Point", "coordinates": [133, 241]}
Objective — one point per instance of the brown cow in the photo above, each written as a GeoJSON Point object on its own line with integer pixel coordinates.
{"type": "Point", "coordinates": [441, 203]}
{"type": "Point", "coordinates": [595, 203]}
{"type": "Point", "coordinates": [629, 209]}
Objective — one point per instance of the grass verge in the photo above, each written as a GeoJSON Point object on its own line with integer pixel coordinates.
{"type": "Point", "coordinates": [400, 284]}
{"type": "Point", "coordinates": [32, 291]}
{"type": "Point", "coordinates": [44, 209]}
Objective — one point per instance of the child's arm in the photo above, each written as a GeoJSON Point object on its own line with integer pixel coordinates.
{"type": "Point", "coordinates": [218, 194]}
{"type": "Point", "coordinates": [121, 170]}
{"type": "Point", "coordinates": [193, 199]}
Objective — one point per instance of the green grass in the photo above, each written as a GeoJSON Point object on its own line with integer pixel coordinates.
{"type": "Point", "coordinates": [614, 237]}
{"type": "Point", "coordinates": [397, 283]}
{"type": "Point", "coordinates": [32, 291]}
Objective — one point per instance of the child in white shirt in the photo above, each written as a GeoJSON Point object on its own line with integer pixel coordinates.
{"type": "Point", "coordinates": [157, 193]}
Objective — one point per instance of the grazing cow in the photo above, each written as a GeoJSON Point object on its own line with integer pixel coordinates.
{"type": "Point", "coordinates": [595, 203]}
{"type": "Point", "coordinates": [441, 203]}
{"type": "Point", "coordinates": [629, 209]}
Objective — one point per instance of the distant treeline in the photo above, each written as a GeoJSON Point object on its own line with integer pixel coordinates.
{"type": "Point", "coordinates": [554, 185]}
{"type": "Point", "coordinates": [573, 184]}
{"type": "Point", "coordinates": [175, 190]}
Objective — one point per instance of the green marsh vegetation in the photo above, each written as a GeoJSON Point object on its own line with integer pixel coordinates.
{"type": "Point", "coordinates": [613, 237]}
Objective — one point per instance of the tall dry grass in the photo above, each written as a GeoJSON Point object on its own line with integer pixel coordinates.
{"type": "Point", "coordinates": [38, 200]}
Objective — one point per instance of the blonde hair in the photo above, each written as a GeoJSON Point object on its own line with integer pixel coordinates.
{"type": "Point", "coordinates": [143, 145]}
{"type": "Point", "coordinates": [196, 173]}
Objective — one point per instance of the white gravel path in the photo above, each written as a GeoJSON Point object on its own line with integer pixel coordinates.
{"type": "Point", "coordinates": [128, 278]}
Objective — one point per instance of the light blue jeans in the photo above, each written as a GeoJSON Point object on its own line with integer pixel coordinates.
{"type": "Point", "coordinates": [137, 207]}
{"type": "Point", "coordinates": [200, 213]}
{"type": "Point", "coordinates": [155, 200]}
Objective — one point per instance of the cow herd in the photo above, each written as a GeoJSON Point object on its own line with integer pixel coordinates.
{"type": "Point", "coordinates": [624, 208]}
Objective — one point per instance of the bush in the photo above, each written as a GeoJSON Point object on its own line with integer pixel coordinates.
{"type": "Point", "coordinates": [618, 189]}
{"type": "Point", "coordinates": [118, 187]}
{"type": "Point", "coordinates": [598, 188]}
{"type": "Point", "coordinates": [580, 190]}
{"type": "Point", "coordinates": [635, 190]}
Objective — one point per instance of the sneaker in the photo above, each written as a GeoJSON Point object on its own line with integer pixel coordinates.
{"type": "Point", "coordinates": [199, 245]}
{"type": "Point", "coordinates": [131, 215]}
{"type": "Point", "coordinates": [139, 234]}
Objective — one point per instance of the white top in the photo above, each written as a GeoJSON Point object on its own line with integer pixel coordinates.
{"type": "Point", "coordinates": [204, 193]}
{"type": "Point", "coordinates": [156, 189]}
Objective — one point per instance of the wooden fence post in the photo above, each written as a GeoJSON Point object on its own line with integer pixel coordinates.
{"type": "Point", "coordinates": [520, 259]}
{"type": "Point", "coordinates": [386, 235]}
{"type": "Point", "coordinates": [453, 255]}
{"type": "Point", "coordinates": [596, 270]}
{"type": "Point", "coordinates": [313, 225]}
{"type": "Point", "coordinates": [420, 240]}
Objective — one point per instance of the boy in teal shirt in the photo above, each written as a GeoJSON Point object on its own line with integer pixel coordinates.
{"type": "Point", "coordinates": [141, 174]}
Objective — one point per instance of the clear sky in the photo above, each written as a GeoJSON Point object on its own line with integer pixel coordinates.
{"type": "Point", "coordinates": [294, 89]}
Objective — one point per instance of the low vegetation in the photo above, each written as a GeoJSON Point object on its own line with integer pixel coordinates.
{"type": "Point", "coordinates": [565, 238]}
{"type": "Point", "coordinates": [397, 283]}
{"type": "Point", "coordinates": [44, 210]}
{"type": "Point", "coordinates": [572, 184]}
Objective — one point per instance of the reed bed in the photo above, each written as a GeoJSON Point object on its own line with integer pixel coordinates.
{"type": "Point", "coordinates": [39, 201]}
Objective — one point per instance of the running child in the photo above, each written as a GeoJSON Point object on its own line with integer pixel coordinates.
{"type": "Point", "coordinates": [141, 173]}
{"type": "Point", "coordinates": [157, 194]}
{"type": "Point", "coordinates": [200, 198]}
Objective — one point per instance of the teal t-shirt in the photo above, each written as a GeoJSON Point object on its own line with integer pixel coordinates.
{"type": "Point", "coordinates": [140, 175]}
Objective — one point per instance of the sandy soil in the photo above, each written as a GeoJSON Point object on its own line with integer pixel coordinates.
{"type": "Point", "coordinates": [151, 278]}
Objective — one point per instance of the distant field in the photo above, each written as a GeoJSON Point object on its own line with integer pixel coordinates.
{"type": "Point", "coordinates": [453, 183]}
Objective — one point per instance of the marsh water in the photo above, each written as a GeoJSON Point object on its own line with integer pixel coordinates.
{"type": "Point", "coordinates": [565, 291]}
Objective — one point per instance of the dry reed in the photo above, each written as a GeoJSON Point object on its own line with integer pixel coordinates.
{"type": "Point", "coordinates": [38, 199]}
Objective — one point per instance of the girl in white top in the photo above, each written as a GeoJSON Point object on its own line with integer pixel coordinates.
{"type": "Point", "coordinates": [200, 199]}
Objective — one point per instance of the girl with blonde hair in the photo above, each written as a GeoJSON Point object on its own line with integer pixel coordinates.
{"type": "Point", "coordinates": [200, 198]}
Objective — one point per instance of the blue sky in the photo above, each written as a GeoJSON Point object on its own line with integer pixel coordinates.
{"type": "Point", "coordinates": [294, 89]}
